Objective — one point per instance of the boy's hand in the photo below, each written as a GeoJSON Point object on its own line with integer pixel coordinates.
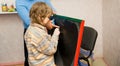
{"type": "Point", "coordinates": [57, 31]}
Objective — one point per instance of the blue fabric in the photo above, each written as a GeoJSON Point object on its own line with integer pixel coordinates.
{"type": "Point", "coordinates": [82, 51]}
{"type": "Point", "coordinates": [23, 8]}
{"type": "Point", "coordinates": [86, 53]}
{"type": "Point", "coordinates": [83, 64]}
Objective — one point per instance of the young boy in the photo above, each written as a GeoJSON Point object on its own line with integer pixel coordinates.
{"type": "Point", "coordinates": [41, 46]}
{"type": "Point", "coordinates": [23, 8]}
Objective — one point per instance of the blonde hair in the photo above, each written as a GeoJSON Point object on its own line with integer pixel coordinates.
{"type": "Point", "coordinates": [39, 9]}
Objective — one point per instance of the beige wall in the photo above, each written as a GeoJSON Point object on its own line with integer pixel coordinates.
{"type": "Point", "coordinates": [11, 39]}
{"type": "Point", "coordinates": [111, 32]}
{"type": "Point", "coordinates": [89, 10]}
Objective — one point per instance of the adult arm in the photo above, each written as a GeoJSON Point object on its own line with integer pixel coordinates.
{"type": "Point", "coordinates": [23, 13]}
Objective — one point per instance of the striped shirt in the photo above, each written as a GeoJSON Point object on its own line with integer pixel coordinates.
{"type": "Point", "coordinates": [41, 46]}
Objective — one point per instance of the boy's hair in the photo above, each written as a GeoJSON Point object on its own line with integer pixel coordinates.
{"type": "Point", "coordinates": [39, 9]}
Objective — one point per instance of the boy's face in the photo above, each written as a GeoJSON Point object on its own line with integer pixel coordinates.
{"type": "Point", "coordinates": [48, 23]}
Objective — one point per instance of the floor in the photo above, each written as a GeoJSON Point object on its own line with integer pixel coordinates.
{"type": "Point", "coordinates": [97, 62]}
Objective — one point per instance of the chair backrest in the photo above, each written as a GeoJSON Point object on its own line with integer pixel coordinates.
{"type": "Point", "coordinates": [89, 38]}
{"type": "Point", "coordinates": [67, 44]}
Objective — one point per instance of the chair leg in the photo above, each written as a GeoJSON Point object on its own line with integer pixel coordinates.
{"type": "Point", "coordinates": [86, 59]}
{"type": "Point", "coordinates": [88, 62]}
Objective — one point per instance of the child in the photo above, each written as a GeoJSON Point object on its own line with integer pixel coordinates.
{"type": "Point", "coordinates": [41, 46]}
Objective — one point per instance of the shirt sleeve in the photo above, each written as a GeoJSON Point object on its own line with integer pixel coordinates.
{"type": "Point", "coordinates": [48, 45]}
{"type": "Point", "coordinates": [23, 13]}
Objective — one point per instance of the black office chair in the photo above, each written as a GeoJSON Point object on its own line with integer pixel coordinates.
{"type": "Point", "coordinates": [88, 43]}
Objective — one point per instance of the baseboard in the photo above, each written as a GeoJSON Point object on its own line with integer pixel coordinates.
{"type": "Point", "coordinates": [11, 63]}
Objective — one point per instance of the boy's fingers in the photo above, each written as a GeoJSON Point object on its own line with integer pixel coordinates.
{"type": "Point", "coordinates": [55, 26]}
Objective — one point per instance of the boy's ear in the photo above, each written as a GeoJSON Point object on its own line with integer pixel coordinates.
{"type": "Point", "coordinates": [42, 18]}
{"type": "Point", "coordinates": [39, 18]}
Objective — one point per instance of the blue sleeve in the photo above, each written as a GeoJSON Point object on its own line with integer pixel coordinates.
{"type": "Point", "coordinates": [48, 2]}
{"type": "Point", "coordinates": [23, 13]}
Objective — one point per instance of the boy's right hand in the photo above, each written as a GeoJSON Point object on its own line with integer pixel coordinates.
{"type": "Point", "coordinates": [57, 31]}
